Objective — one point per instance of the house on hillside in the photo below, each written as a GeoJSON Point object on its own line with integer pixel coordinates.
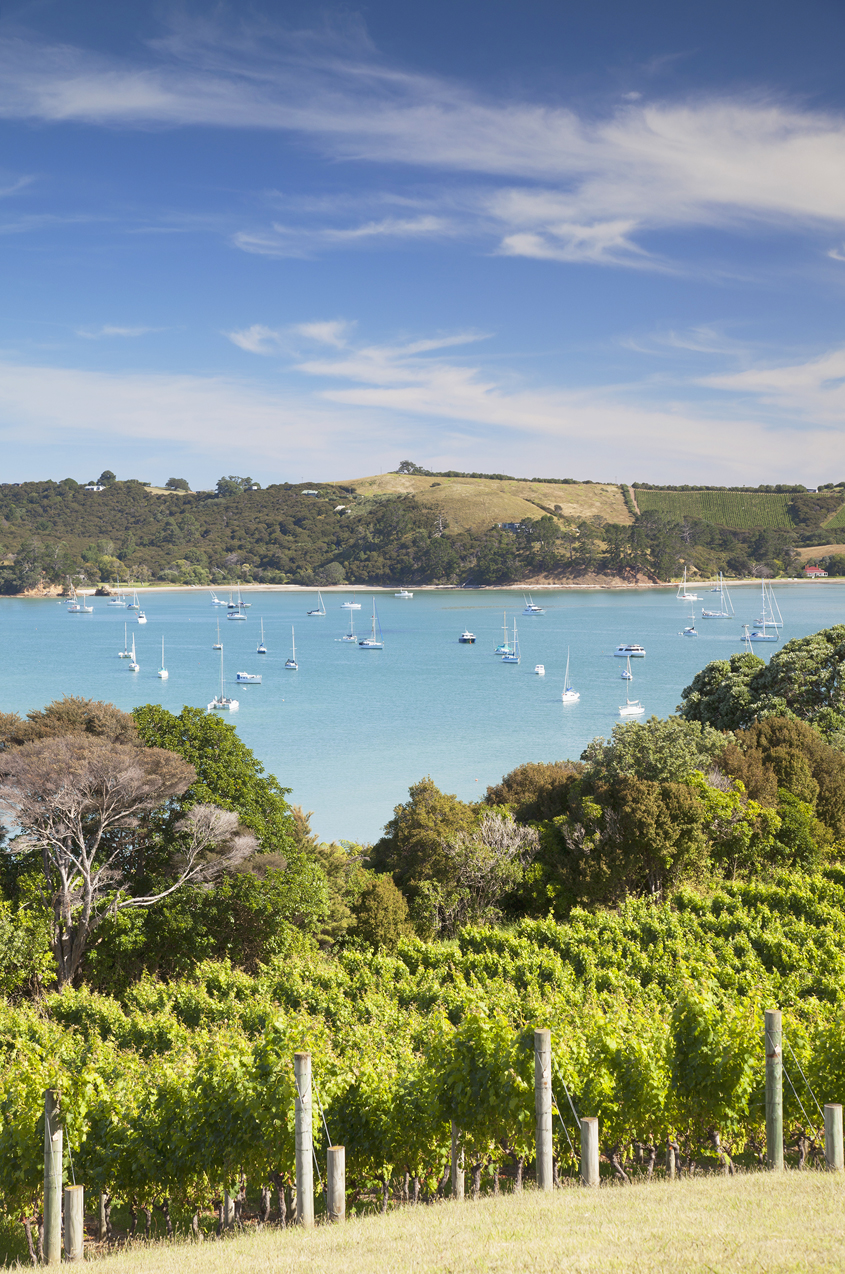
{"type": "Point", "coordinates": [815, 572]}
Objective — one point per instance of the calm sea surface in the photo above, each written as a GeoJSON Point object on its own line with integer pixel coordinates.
{"type": "Point", "coordinates": [352, 729]}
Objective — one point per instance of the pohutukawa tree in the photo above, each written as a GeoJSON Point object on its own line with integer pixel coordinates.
{"type": "Point", "coordinates": [80, 801]}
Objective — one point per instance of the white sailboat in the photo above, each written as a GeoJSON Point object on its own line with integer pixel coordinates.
{"type": "Point", "coordinates": [118, 599]}
{"type": "Point", "coordinates": [134, 666]}
{"type": "Point", "coordinates": [690, 630]}
{"type": "Point", "coordinates": [504, 647]}
{"type": "Point", "coordinates": [350, 636]}
{"type": "Point", "coordinates": [261, 649]}
{"type": "Point", "coordinates": [240, 604]}
{"type": "Point", "coordinates": [126, 653]}
{"type": "Point", "coordinates": [771, 615]}
{"type": "Point", "coordinates": [134, 604]}
{"type": "Point", "coordinates": [513, 656]}
{"type": "Point", "coordinates": [76, 603]}
{"type": "Point", "coordinates": [162, 672]}
{"type": "Point", "coordinates": [683, 595]}
{"type": "Point", "coordinates": [372, 642]}
{"type": "Point", "coordinates": [222, 702]}
{"type": "Point", "coordinates": [726, 609]}
{"type": "Point", "coordinates": [626, 673]}
{"type": "Point", "coordinates": [291, 663]}
{"type": "Point", "coordinates": [568, 695]}
{"type": "Point", "coordinates": [321, 607]}
{"type": "Point", "coordinates": [218, 645]}
{"type": "Point", "coordinates": [631, 707]}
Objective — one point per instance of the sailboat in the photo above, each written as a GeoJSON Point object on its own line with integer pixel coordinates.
{"type": "Point", "coordinates": [76, 603]}
{"type": "Point", "coordinates": [627, 675]}
{"type": "Point", "coordinates": [322, 609]}
{"type": "Point", "coordinates": [218, 645]}
{"type": "Point", "coordinates": [350, 636]}
{"type": "Point", "coordinates": [291, 663]}
{"type": "Point", "coordinates": [162, 672]}
{"type": "Point", "coordinates": [372, 642]}
{"type": "Point", "coordinates": [683, 595]}
{"type": "Point", "coordinates": [222, 702]}
{"type": "Point", "coordinates": [134, 666]}
{"type": "Point", "coordinates": [771, 615]}
{"type": "Point", "coordinates": [126, 652]}
{"type": "Point", "coordinates": [631, 707]}
{"type": "Point", "coordinates": [568, 695]}
{"type": "Point", "coordinates": [261, 649]}
{"type": "Point", "coordinates": [690, 630]}
{"type": "Point", "coordinates": [134, 604]}
{"type": "Point", "coordinates": [118, 599]}
{"type": "Point", "coordinates": [504, 647]}
{"type": "Point", "coordinates": [726, 609]}
{"type": "Point", "coordinates": [513, 656]}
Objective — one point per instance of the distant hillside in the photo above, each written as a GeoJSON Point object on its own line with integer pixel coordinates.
{"type": "Point", "coordinates": [406, 527]}
{"type": "Point", "coordinates": [473, 504]}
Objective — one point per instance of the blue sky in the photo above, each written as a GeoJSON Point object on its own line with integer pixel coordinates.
{"type": "Point", "coordinates": [309, 241]}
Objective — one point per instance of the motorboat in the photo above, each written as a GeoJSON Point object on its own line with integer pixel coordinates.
{"type": "Point", "coordinates": [540, 670]}
{"type": "Point", "coordinates": [141, 617]}
{"type": "Point", "coordinates": [373, 642]}
{"type": "Point", "coordinates": [222, 702]}
{"type": "Point", "coordinates": [568, 695]}
{"type": "Point", "coordinates": [403, 592]}
{"type": "Point", "coordinates": [531, 608]}
{"type": "Point", "coordinates": [162, 672]}
{"type": "Point", "coordinates": [630, 651]}
{"type": "Point", "coordinates": [350, 605]}
{"type": "Point", "coordinates": [467, 639]}
{"type": "Point", "coordinates": [291, 664]}
{"type": "Point", "coordinates": [217, 601]}
{"type": "Point", "coordinates": [254, 677]}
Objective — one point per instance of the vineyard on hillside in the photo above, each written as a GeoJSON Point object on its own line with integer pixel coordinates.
{"type": "Point", "coordinates": [179, 1091]}
{"type": "Point", "coordinates": [737, 510]}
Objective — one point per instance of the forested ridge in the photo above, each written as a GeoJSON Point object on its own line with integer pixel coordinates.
{"type": "Point", "coordinates": [329, 534]}
{"type": "Point", "coordinates": [171, 932]}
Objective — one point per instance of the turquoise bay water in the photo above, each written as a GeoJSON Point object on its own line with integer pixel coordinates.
{"type": "Point", "coordinates": [352, 729]}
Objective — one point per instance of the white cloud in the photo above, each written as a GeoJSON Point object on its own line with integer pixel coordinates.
{"type": "Point", "coordinates": [97, 333]}
{"type": "Point", "coordinates": [257, 339]}
{"type": "Point", "coordinates": [358, 408]}
{"type": "Point", "coordinates": [606, 180]}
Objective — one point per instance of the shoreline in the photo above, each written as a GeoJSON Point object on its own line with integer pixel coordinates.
{"type": "Point", "coordinates": [614, 586]}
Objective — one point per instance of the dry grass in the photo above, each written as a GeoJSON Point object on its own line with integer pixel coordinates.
{"type": "Point", "coordinates": [478, 503]}
{"type": "Point", "coordinates": [818, 550]}
{"type": "Point", "coordinates": [756, 1222]}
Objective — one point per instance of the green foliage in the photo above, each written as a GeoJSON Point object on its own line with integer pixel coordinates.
{"type": "Point", "coordinates": [413, 848]}
{"type": "Point", "coordinates": [660, 750]}
{"type": "Point", "coordinates": [381, 914]}
{"type": "Point", "coordinates": [734, 509]}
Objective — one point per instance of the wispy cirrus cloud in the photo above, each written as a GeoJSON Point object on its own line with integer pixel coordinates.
{"type": "Point", "coordinates": [107, 330]}
{"type": "Point", "coordinates": [578, 186]}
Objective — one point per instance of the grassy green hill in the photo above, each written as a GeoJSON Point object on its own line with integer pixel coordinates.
{"type": "Point", "coordinates": [736, 509]}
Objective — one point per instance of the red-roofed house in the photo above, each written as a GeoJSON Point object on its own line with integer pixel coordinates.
{"type": "Point", "coordinates": [815, 572]}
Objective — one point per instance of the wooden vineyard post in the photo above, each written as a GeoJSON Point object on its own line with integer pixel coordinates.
{"type": "Point", "coordinates": [227, 1221]}
{"type": "Point", "coordinates": [304, 1163]}
{"type": "Point", "coordinates": [52, 1179]}
{"type": "Point", "coordinates": [774, 1090]}
{"type": "Point", "coordinates": [74, 1223]}
{"type": "Point", "coordinates": [543, 1107]}
{"type": "Point", "coordinates": [336, 1174]}
{"type": "Point", "coordinates": [833, 1148]}
{"type": "Point", "coordinates": [457, 1164]}
{"type": "Point", "coordinates": [590, 1152]}
{"type": "Point", "coordinates": [101, 1218]}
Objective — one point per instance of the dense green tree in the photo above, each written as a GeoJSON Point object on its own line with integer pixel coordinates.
{"type": "Point", "coordinates": [178, 484]}
{"type": "Point", "coordinates": [660, 749]}
{"type": "Point", "coordinates": [414, 846]}
{"type": "Point", "coordinates": [536, 789]}
{"type": "Point", "coordinates": [381, 914]}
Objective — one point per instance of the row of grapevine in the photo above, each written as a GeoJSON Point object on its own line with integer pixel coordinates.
{"type": "Point", "coordinates": [735, 509]}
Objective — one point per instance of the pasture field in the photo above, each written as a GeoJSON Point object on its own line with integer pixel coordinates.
{"type": "Point", "coordinates": [474, 504]}
{"type": "Point", "coordinates": [790, 1223]}
{"type": "Point", "coordinates": [738, 510]}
